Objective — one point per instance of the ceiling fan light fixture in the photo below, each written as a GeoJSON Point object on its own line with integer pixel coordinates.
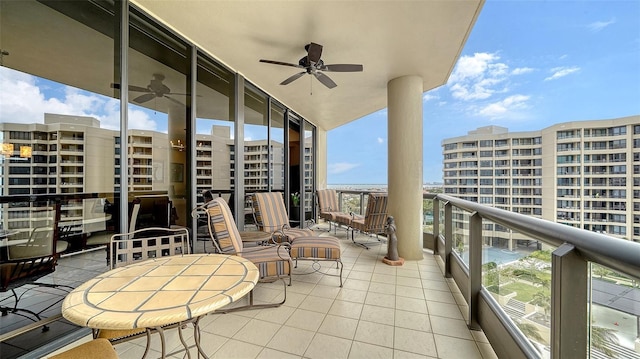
{"type": "Point", "coordinates": [314, 65]}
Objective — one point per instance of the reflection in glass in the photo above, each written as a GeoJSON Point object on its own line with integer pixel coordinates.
{"type": "Point", "coordinates": [59, 125]}
{"type": "Point", "coordinates": [60, 132]}
{"type": "Point", "coordinates": [614, 313]}
{"type": "Point", "coordinates": [309, 179]}
{"type": "Point", "coordinates": [518, 276]}
{"type": "Point", "coordinates": [256, 149]}
{"type": "Point", "coordinates": [156, 144]}
{"type": "Point", "coordinates": [276, 166]}
{"type": "Point", "coordinates": [214, 133]}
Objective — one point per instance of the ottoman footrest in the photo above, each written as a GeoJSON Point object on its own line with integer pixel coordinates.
{"type": "Point", "coordinates": [316, 249]}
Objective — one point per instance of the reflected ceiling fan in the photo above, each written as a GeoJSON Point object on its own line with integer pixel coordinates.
{"type": "Point", "coordinates": [313, 65]}
{"type": "Point", "coordinates": [154, 89]}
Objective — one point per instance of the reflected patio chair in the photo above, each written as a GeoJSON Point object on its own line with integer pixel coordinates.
{"type": "Point", "coordinates": [329, 209]}
{"type": "Point", "coordinates": [271, 216]}
{"type": "Point", "coordinates": [273, 261]}
{"type": "Point", "coordinates": [140, 245]}
{"type": "Point", "coordinates": [26, 262]}
{"type": "Point", "coordinates": [374, 220]}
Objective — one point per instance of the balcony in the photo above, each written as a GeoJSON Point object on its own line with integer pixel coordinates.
{"type": "Point", "coordinates": [472, 288]}
{"type": "Point", "coordinates": [382, 311]}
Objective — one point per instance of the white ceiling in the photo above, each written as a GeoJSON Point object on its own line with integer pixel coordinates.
{"type": "Point", "coordinates": [390, 38]}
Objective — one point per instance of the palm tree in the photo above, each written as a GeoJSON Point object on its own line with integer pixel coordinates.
{"type": "Point", "coordinates": [542, 299]}
{"type": "Point", "coordinates": [601, 336]}
{"type": "Point", "coordinates": [530, 331]}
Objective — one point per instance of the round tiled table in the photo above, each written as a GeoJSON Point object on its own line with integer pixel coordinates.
{"type": "Point", "coordinates": [161, 291]}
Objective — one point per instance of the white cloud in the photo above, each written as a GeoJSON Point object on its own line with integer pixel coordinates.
{"type": "Point", "coordinates": [380, 140]}
{"type": "Point", "coordinates": [24, 100]}
{"type": "Point", "coordinates": [521, 70]}
{"type": "Point", "coordinates": [340, 167]}
{"type": "Point", "coordinates": [429, 97]}
{"type": "Point", "coordinates": [477, 77]}
{"type": "Point", "coordinates": [559, 72]}
{"type": "Point", "coordinates": [504, 107]}
{"type": "Point", "coordinates": [599, 25]}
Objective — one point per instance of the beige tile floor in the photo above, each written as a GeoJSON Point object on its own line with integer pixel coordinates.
{"type": "Point", "coordinates": [382, 311]}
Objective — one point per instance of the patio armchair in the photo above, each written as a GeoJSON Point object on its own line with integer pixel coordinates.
{"type": "Point", "coordinates": [271, 216]}
{"type": "Point", "coordinates": [329, 209]}
{"type": "Point", "coordinates": [374, 220]}
{"type": "Point", "coordinates": [26, 262]}
{"type": "Point", "coordinates": [273, 260]}
{"type": "Point", "coordinates": [137, 246]}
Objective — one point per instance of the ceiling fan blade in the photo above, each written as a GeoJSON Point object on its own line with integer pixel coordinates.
{"type": "Point", "coordinates": [314, 52]}
{"type": "Point", "coordinates": [325, 80]}
{"type": "Point", "coordinates": [138, 88]}
{"type": "Point", "coordinates": [280, 63]}
{"type": "Point", "coordinates": [293, 78]}
{"type": "Point", "coordinates": [173, 100]}
{"type": "Point", "coordinates": [144, 98]}
{"type": "Point", "coordinates": [131, 88]}
{"type": "Point", "coordinates": [342, 68]}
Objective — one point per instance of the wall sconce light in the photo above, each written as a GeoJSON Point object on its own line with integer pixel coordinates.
{"type": "Point", "coordinates": [25, 151]}
{"type": "Point", "coordinates": [7, 149]}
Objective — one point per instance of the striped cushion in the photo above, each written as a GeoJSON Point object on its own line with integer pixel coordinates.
{"type": "Point", "coordinates": [271, 214]}
{"type": "Point", "coordinates": [315, 247]}
{"type": "Point", "coordinates": [327, 200]}
{"type": "Point", "coordinates": [375, 217]}
{"type": "Point", "coordinates": [292, 234]}
{"type": "Point", "coordinates": [358, 223]}
{"type": "Point", "coordinates": [222, 226]}
{"type": "Point", "coordinates": [343, 218]}
{"type": "Point", "coordinates": [272, 261]}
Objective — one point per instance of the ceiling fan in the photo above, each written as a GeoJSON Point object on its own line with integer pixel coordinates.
{"type": "Point", "coordinates": [313, 65]}
{"type": "Point", "coordinates": [154, 89]}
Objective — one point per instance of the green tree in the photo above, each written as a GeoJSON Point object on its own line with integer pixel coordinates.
{"type": "Point", "coordinates": [530, 331]}
{"type": "Point", "coordinates": [542, 299]}
{"type": "Point", "coordinates": [600, 337]}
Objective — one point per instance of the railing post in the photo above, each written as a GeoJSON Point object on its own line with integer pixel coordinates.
{"type": "Point", "coordinates": [436, 225]}
{"type": "Point", "coordinates": [361, 203]}
{"type": "Point", "coordinates": [569, 324]}
{"type": "Point", "coordinates": [340, 201]}
{"type": "Point", "coordinates": [475, 268]}
{"type": "Point", "coordinates": [448, 238]}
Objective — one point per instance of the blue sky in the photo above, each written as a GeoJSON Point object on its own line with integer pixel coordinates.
{"type": "Point", "coordinates": [526, 65]}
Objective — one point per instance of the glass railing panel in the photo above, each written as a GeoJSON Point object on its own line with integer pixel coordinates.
{"type": "Point", "coordinates": [441, 223]}
{"type": "Point", "coordinates": [351, 203]}
{"type": "Point", "coordinates": [460, 223]}
{"type": "Point", "coordinates": [614, 306]}
{"type": "Point", "coordinates": [427, 215]}
{"type": "Point", "coordinates": [516, 270]}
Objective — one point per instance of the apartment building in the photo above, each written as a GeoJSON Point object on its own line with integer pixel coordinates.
{"type": "Point", "coordinates": [584, 174]}
{"type": "Point", "coordinates": [70, 154]}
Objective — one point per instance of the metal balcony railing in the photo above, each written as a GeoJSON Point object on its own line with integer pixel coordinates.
{"type": "Point", "coordinates": [577, 258]}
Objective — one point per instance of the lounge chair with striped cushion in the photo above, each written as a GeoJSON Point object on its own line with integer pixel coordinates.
{"type": "Point", "coordinates": [374, 220]}
{"type": "Point", "coordinates": [273, 261]}
{"type": "Point", "coordinates": [271, 216]}
{"type": "Point", "coordinates": [329, 209]}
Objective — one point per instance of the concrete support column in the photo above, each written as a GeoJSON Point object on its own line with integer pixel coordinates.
{"type": "Point", "coordinates": [321, 158]}
{"type": "Point", "coordinates": [404, 100]}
